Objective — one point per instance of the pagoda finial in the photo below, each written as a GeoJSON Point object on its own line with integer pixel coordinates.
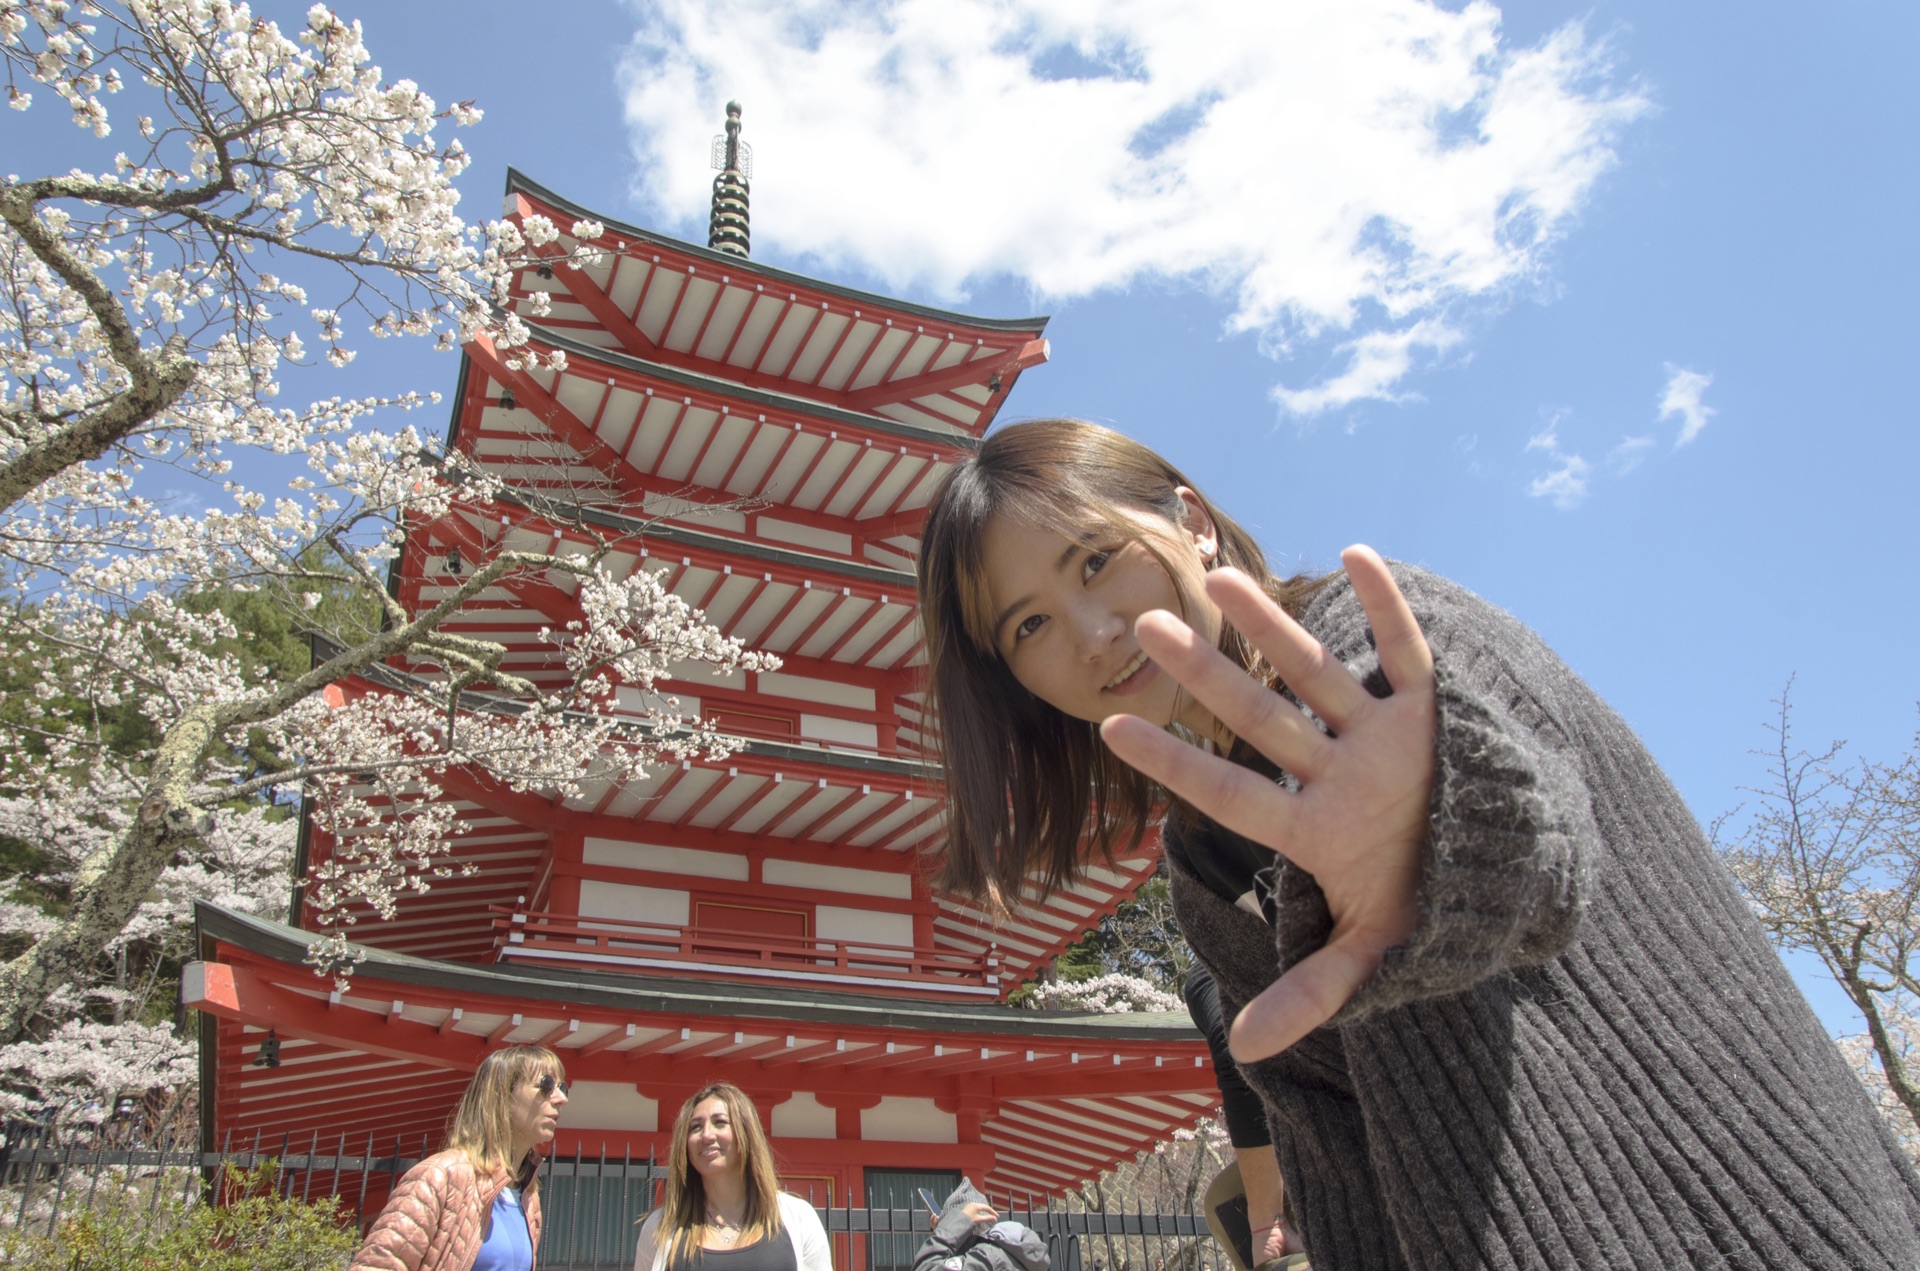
{"type": "Point", "coordinates": [727, 227]}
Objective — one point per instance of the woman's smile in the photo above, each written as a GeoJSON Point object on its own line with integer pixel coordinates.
{"type": "Point", "coordinates": [1133, 676]}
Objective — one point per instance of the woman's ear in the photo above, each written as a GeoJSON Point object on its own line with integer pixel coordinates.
{"type": "Point", "coordinates": [1199, 523]}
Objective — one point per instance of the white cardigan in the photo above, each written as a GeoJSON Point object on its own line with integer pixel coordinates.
{"type": "Point", "coordinates": [802, 1224]}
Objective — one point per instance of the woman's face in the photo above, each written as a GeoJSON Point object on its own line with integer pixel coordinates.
{"type": "Point", "coordinates": [535, 1111]}
{"type": "Point", "coordinates": [710, 1145]}
{"type": "Point", "coordinates": [1063, 612]}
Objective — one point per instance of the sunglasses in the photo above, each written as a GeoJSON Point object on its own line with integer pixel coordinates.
{"type": "Point", "coordinates": [547, 1085]}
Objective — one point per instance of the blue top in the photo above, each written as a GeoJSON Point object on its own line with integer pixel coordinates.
{"type": "Point", "coordinates": [508, 1246]}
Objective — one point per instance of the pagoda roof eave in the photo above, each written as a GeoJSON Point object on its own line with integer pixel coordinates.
{"type": "Point", "coordinates": [858, 761]}
{"type": "Point", "coordinates": [519, 182]}
{"type": "Point", "coordinates": [661, 530]}
{"type": "Point", "coordinates": [631, 994]}
{"type": "Point", "coordinates": [719, 386]}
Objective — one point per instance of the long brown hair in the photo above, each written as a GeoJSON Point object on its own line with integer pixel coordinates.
{"type": "Point", "coordinates": [684, 1208]}
{"type": "Point", "coordinates": [1029, 789]}
{"type": "Point", "coordinates": [482, 1124]}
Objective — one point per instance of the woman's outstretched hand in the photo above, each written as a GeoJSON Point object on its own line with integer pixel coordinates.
{"type": "Point", "coordinates": [1360, 816]}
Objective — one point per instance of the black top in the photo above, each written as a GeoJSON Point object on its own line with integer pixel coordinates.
{"type": "Point", "coordinates": [775, 1253]}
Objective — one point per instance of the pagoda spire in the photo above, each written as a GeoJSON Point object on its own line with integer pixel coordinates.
{"type": "Point", "coordinates": [727, 227]}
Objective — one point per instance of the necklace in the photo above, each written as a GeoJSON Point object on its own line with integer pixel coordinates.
{"type": "Point", "coordinates": [724, 1231]}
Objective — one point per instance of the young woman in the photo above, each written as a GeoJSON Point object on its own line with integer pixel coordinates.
{"type": "Point", "coordinates": [1501, 1003]}
{"type": "Point", "coordinates": [723, 1209]}
{"type": "Point", "coordinates": [476, 1206]}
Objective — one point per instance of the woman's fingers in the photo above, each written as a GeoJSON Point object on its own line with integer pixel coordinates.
{"type": "Point", "coordinates": [1303, 999]}
{"type": "Point", "coordinates": [1404, 653]}
{"type": "Point", "coordinates": [1247, 707]}
{"type": "Point", "coordinates": [1315, 675]}
{"type": "Point", "coordinates": [1236, 797]}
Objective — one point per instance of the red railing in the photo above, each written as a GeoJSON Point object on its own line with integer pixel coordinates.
{"type": "Point", "coordinates": [529, 936]}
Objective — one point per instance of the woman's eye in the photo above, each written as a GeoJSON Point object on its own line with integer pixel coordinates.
{"type": "Point", "coordinates": [1028, 626]}
{"type": "Point", "coordinates": [1095, 562]}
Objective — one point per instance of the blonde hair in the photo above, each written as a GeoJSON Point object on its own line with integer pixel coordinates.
{"type": "Point", "coordinates": [482, 1124]}
{"type": "Point", "coordinates": [1030, 791]}
{"type": "Point", "coordinates": [683, 1210]}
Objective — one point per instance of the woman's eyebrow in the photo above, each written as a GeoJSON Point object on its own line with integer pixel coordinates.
{"type": "Point", "coordinates": [1000, 623]}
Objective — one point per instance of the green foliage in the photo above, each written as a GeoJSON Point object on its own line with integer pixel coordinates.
{"type": "Point", "coordinates": [275, 626]}
{"type": "Point", "coordinates": [128, 1229]}
{"type": "Point", "coordinates": [1139, 938]}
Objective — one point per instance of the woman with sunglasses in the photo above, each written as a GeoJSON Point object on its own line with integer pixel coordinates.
{"type": "Point", "coordinates": [476, 1206]}
{"type": "Point", "coordinates": [723, 1209]}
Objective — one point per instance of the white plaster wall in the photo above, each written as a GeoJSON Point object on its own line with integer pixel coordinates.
{"type": "Point", "coordinates": [667, 860]}
{"type": "Point", "coordinates": [608, 1105]}
{"type": "Point", "coordinates": [638, 703]}
{"type": "Point", "coordinates": [807, 689]}
{"type": "Point", "coordinates": [898, 1120]}
{"type": "Point", "coordinates": [804, 535]}
{"type": "Point", "coordinates": [803, 1117]}
{"type": "Point", "coordinates": [703, 515]}
{"type": "Point", "coordinates": [863, 926]}
{"type": "Point", "coordinates": [701, 672]}
{"type": "Point", "coordinates": [856, 882]}
{"type": "Point", "coordinates": [634, 904]}
{"type": "Point", "coordinates": [843, 732]}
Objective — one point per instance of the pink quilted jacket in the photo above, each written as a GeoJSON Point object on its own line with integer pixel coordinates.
{"type": "Point", "coordinates": [433, 1220]}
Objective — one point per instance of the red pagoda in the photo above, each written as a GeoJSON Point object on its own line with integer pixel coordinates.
{"type": "Point", "coordinates": [772, 442]}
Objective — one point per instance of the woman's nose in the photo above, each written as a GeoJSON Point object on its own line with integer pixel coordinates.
{"type": "Point", "coordinates": [1098, 631]}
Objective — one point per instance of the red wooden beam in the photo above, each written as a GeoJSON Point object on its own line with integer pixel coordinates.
{"type": "Point", "coordinates": [706, 320]}
{"type": "Point", "coordinates": [854, 628]}
{"type": "Point", "coordinates": [773, 466]}
{"type": "Point", "coordinates": [832, 608]}
{"type": "Point", "coordinates": [580, 285]}
{"type": "Point", "coordinates": [605, 1041]}
{"type": "Point", "coordinates": [806, 831]}
{"type": "Point", "coordinates": [746, 320]}
{"type": "Point", "coordinates": [654, 1045]}
{"type": "Point", "coordinates": [766, 790]}
{"type": "Point", "coordinates": [974, 371]}
{"type": "Point", "coordinates": [806, 474]}
{"type": "Point", "coordinates": [819, 311]}
{"type": "Point", "coordinates": [792, 809]}
{"type": "Point", "coordinates": [826, 363]}
{"type": "Point", "coordinates": [686, 285]}
{"type": "Point", "coordinates": [713, 434]}
{"type": "Point", "coordinates": [846, 475]}
{"type": "Point", "coordinates": [699, 805]}
{"type": "Point", "coordinates": [873, 346]}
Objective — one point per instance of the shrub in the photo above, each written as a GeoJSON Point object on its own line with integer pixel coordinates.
{"type": "Point", "coordinates": [127, 1228]}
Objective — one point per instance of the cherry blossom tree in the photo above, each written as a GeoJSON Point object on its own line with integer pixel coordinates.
{"type": "Point", "coordinates": [275, 197]}
{"type": "Point", "coordinates": [1830, 860]}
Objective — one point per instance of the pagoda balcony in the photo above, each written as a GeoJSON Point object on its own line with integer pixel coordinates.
{"type": "Point", "coordinates": [618, 944]}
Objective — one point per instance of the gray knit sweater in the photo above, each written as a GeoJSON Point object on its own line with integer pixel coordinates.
{"type": "Point", "coordinates": [1586, 1055]}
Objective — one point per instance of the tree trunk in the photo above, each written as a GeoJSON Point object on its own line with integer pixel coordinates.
{"type": "Point", "coordinates": [111, 883]}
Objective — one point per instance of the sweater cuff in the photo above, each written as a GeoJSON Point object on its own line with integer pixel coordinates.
{"type": "Point", "coordinates": [1504, 868]}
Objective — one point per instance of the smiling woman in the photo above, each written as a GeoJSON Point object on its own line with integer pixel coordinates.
{"type": "Point", "coordinates": [723, 1209]}
{"type": "Point", "coordinates": [476, 1206]}
{"type": "Point", "coordinates": [1498, 998]}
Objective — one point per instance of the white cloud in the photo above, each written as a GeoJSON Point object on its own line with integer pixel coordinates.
{"type": "Point", "coordinates": [1682, 397]}
{"type": "Point", "coordinates": [1350, 172]}
{"type": "Point", "coordinates": [1566, 485]}
{"type": "Point", "coordinates": [1376, 362]}
{"type": "Point", "coordinates": [1629, 453]}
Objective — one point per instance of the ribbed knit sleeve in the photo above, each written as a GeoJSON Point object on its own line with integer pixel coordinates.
{"type": "Point", "coordinates": [1511, 831]}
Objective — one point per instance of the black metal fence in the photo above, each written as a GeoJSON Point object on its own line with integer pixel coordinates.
{"type": "Point", "coordinates": [589, 1203]}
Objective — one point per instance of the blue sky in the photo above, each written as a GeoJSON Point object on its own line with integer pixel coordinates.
{"type": "Point", "coordinates": [1416, 275]}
